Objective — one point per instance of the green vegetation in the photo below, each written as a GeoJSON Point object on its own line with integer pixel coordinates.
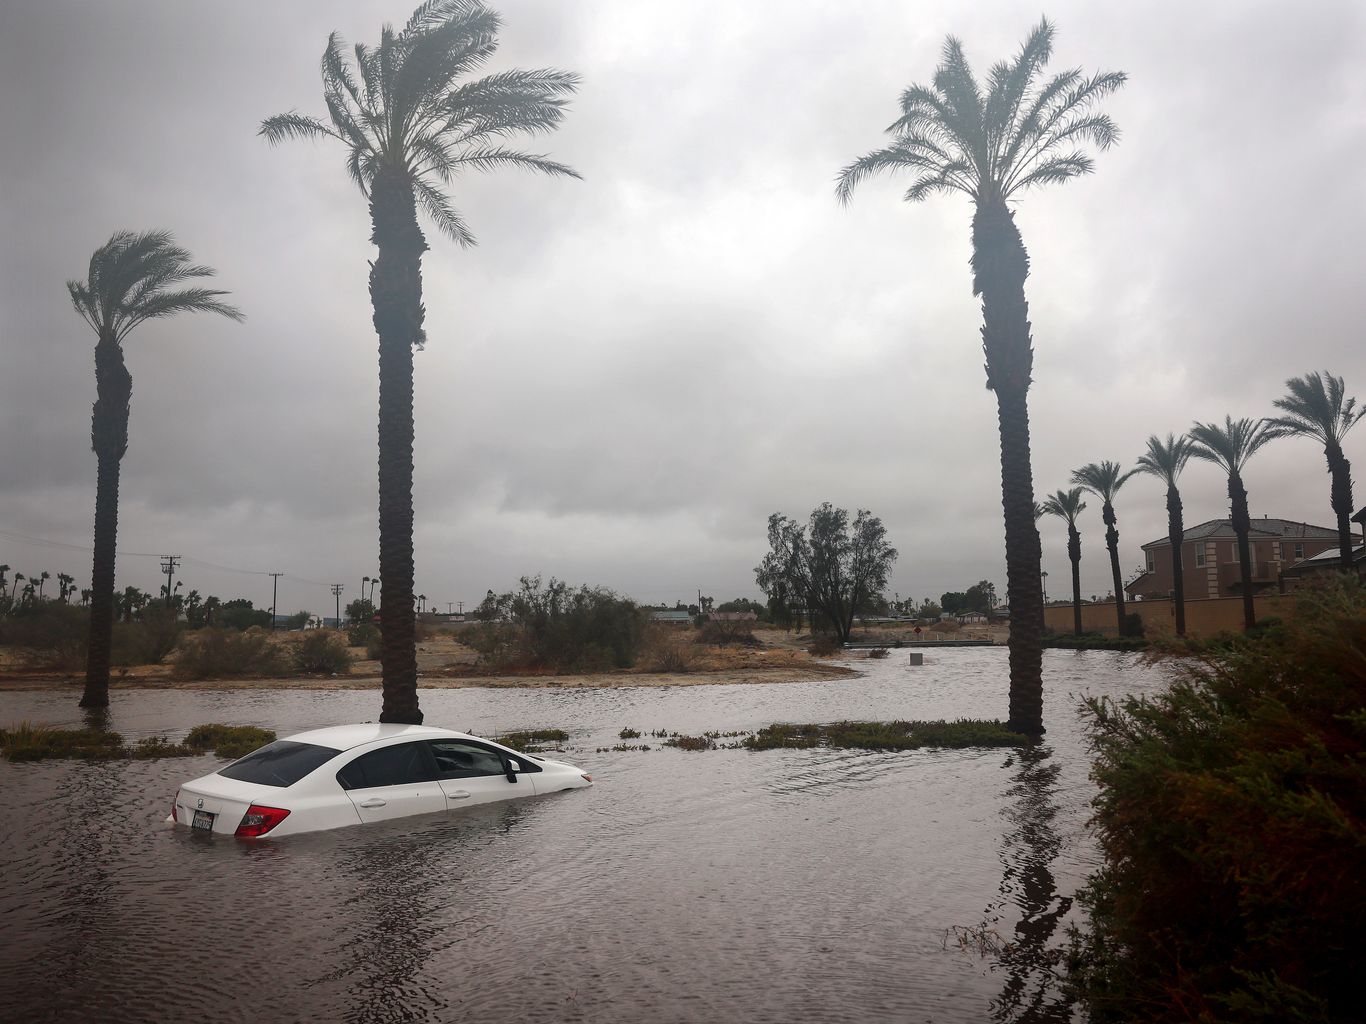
{"type": "Point", "coordinates": [28, 742]}
{"type": "Point", "coordinates": [628, 734]}
{"type": "Point", "coordinates": [530, 740]}
{"type": "Point", "coordinates": [1231, 817]}
{"type": "Point", "coordinates": [887, 735]}
{"type": "Point", "coordinates": [322, 651]}
{"type": "Point", "coordinates": [691, 742]}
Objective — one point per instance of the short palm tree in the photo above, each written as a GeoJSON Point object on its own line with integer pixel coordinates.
{"type": "Point", "coordinates": [1104, 480]}
{"type": "Point", "coordinates": [411, 121]}
{"type": "Point", "coordinates": [1165, 460]}
{"type": "Point", "coordinates": [1317, 407]}
{"type": "Point", "coordinates": [1230, 447]}
{"type": "Point", "coordinates": [1067, 505]}
{"type": "Point", "coordinates": [133, 278]}
{"type": "Point", "coordinates": [992, 144]}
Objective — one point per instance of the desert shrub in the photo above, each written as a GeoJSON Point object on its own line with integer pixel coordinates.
{"type": "Point", "coordinates": [530, 740]}
{"type": "Point", "coordinates": [878, 653]}
{"type": "Point", "coordinates": [226, 653]}
{"type": "Point", "coordinates": [887, 735]}
{"type": "Point", "coordinates": [362, 634]}
{"type": "Point", "coordinates": [149, 640]}
{"type": "Point", "coordinates": [725, 634]}
{"type": "Point", "coordinates": [823, 645]}
{"type": "Point", "coordinates": [495, 642]}
{"type": "Point", "coordinates": [666, 649]}
{"type": "Point", "coordinates": [322, 651]}
{"type": "Point", "coordinates": [574, 630]}
{"type": "Point", "coordinates": [945, 626]}
{"type": "Point", "coordinates": [231, 741]}
{"type": "Point", "coordinates": [1230, 819]}
{"type": "Point", "coordinates": [48, 634]}
{"type": "Point", "coordinates": [1133, 625]}
{"type": "Point", "coordinates": [28, 742]}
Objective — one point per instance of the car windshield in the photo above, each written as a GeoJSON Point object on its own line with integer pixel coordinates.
{"type": "Point", "coordinates": [281, 763]}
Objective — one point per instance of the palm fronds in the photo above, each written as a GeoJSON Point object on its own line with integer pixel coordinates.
{"type": "Point", "coordinates": [1165, 459]}
{"type": "Point", "coordinates": [408, 106]}
{"type": "Point", "coordinates": [1231, 445]}
{"type": "Point", "coordinates": [1103, 479]}
{"type": "Point", "coordinates": [1065, 505]}
{"type": "Point", "coordinates": [1317, 407]}
{"type": "Point", "coordinates": [1023, 131]}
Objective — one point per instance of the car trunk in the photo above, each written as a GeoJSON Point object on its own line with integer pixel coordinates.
{"type": "Point", "coordinates": [225, 799]}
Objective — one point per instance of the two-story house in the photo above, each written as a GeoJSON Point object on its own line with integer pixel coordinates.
{"type": "Point", "coordinates": [1209, 558]}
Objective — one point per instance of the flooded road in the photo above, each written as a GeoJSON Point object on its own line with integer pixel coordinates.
{"type": "Point", "coordinates": [773, 886]}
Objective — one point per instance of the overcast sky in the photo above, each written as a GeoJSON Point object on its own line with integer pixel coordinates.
{"type": "Point", "coordinates": [631, 372]}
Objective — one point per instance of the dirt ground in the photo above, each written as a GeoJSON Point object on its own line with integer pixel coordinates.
{"type": "Point", "coordinates": [445, 663]}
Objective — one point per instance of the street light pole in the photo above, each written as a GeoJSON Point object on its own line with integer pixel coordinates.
{"type": "Point", "coordinates": [336, 592]}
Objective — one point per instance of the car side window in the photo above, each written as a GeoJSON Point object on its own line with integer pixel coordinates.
{"type": "Point", "coordinates": [400, 765]}
{"type": "Point", "coordinates": [460, 759]}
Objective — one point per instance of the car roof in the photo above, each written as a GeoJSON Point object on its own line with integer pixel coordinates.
{"type": "Point", "coordinates": [344, 737]}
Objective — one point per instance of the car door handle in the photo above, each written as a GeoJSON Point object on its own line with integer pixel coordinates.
{"type": "Point", "coordinates": [459, 794]}
{"type": "Point", "coordinates": [374, 801]}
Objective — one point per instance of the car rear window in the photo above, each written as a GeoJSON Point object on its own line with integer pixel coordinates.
{"type": "Point", "coordinates": [281, 763]}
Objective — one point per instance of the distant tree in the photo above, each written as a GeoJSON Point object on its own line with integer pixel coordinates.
{"type": "Point", "coordinates": [410, 125]}
{"type": "Point", "coordinates": [1230, 447]}
{"type": "Point", "coordinates": [1067, 505]}
{"type": "Point", "coordinates": [980, 597]}
{"type": "Point", "coordinates": [493, 608]}
{"type": "Point", "coordinates": [928, 610]}
{"type": "Point", "coordinates": [360, 611]}
{"type": "Point", "coordinates": [1104, 479]}
{"type": "Point", "coordinates": [240, 613]}
{"type": "Point", "coordinates": [1165, 460]}
{"type": "Point", "coordinates": [744, 604]}
{"type": "Point", "coordinates": [66, 586]}
{"type": "Point", "coordinates": [43, 577]}
{"type": "Point", "coordinates": [297, 621]}
{"type": "Point", "coordinates": [992, 141]}
{"type": "Point", "coordinates": [835, 567]}
{"type": "Point", "coordinates": [955, 602]}
{"type": "Point", "coordinates": [1317, 408]}
{"type": "Point", "coordinates": [132, 278]}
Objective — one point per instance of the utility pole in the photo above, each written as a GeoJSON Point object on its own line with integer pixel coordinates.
{"type": "Point", "coordinates": [168, 566]}
{"type": "Point", "coordinates": [448, 606]}
{"type": "Point", "coordinates": [274, 593]}
{"type": "Point", "coordinates": [462, 607]}
{"type": "Point", "coordinates": [336, 592]}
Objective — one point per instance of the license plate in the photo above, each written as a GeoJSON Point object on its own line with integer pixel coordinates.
{"type": "Point", "coordinates": [202, 820]}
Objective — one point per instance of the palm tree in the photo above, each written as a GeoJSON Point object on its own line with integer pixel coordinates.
{"type": "Point", "coordinates": [133, 278]}
{"type": "Point", "coordinates": [411, 123]}
{"type": "Point", "coordinates": [1316, 408]}
{"type": "Point", "coordinates": [1021, 133]}
{"type": "Point", "coordinates": [1165, 460]}
{"type": "Point", "coordinates": [1104, 481]}
{"type": "Point", "coordinates": [1230, 447]}
{"type": "Point", "coordinates": [1068, 505]}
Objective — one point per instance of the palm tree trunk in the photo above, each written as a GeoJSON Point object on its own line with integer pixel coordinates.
{"type": "Point", "coordinates": [1242, 523]}
{"type": "Point", "coordinates": [1000, 265]}
{"type": "Point", "coordinates": [1074, 553]}
{"type": "Point", "coordinates": [109, 439]}
{"type": "Point", "coordinates": [396, 294]}
{"type": "Point", "coordinates": [1176, 532]}
{"type": "Point", "coordinates": [1341, 469]}
{"type": "Point", "coordinates": [1107, 513]}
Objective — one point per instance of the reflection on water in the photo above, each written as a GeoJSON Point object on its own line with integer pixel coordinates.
{"type": "Point", "coordinates": [777, 886]}
{"type": "Point", "coordinates": [1029, 846]}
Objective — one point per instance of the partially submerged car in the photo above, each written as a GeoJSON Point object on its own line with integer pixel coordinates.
{"type": "Point", "coordinates": [352, 774]}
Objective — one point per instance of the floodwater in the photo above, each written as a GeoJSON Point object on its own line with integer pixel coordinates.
{"type": "Point", "coordinates": [723, 885]}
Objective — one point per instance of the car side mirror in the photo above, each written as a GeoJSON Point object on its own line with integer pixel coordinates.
{"type": "Point", "coordinates": [510, 769]}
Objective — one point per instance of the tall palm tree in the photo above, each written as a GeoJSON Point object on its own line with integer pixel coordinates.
{"type": "Point", "coordinates": [1165, 460]}
{"type": "Point", "coordinates": [133, 278]}
{"type": "Point", "coordinates": [411, 121]}
{"type": "Point", "coordinates": [1067, 505]}
{"type": "Point", "coordinates": [1316, 407]}
{"type": "Point", "coordinates": [1230, 447]}
{"type": "Point", "coordinates": [1104, 481]}
{"type": "Point", "coordinates": [992, 142]}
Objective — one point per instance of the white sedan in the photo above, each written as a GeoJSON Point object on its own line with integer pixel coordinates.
{"type": "Point", "coordinates": [351, 774]}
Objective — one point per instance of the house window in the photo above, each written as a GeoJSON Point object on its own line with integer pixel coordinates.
{"type": "Point", "coordinates": [1199, 556]}
{"type": "Point", "coordinates": [1299, 552]}
{"type": "Point", "coordinates": [1150, 561]}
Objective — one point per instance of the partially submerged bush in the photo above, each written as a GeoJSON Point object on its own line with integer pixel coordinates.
{"type": "Point", "coordinates": [691, 742]}
{"type": "Point", "coordinates": [231, 741]}
{"type": "Point", "coordinates": [226, 653]}
{"type": "Point", "coordinates": [530, 739]}
{"type": "Point", "coordinates": [322, 651]}
{"type": "Point", "coordinates": [26, 742]}
{"type": "Point", "coordinates": [1231, 818]}
{"type": "Point", "coordinates": [887, 735]}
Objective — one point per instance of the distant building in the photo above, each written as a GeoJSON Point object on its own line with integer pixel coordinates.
{"type": "Point", "coordinates": [676, 615]}
{"type": "Point", "coordinates": [1326, 561]}
{"type": "Point", "coordinates": [1210, 564]}
{"type": "Point", "coordinates": [732, 617]}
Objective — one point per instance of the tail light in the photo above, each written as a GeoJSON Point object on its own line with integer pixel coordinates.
{"type": "Point", "coordinates": [175, 800]}
{"type": "Point", "coordinates": [260, 819]}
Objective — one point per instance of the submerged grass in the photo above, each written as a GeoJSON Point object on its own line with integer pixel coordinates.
{"type": "Point", "coordinates": [964, 732]}
{"type": "Point", "coordinates": [28, 742]}
{"type": "Point", "coordinates": [531, 740]}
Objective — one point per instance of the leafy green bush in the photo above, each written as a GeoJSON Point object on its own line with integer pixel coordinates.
{"type": "Point", "coordinates": [148, 640]}
{"type": "Point", "coordinates": [322, 651]}
{"type": "Point", "coordinates": [232, 741]}
{"type": "Point", "coordinates": [48, 634]}
{"type": "Point", "coordinates": [528, 738]}
{"type": "Point", "coordinates": [1232, 822]}
{"type": "Point", "coordinates": [1095, 642]}
{"type": "Point", "coordinates": [27, 742]}
{"type": "Point", "coordinates": [563, 629]}
{"type": "Point", "coordinates": [666, 648]}
{"type": "Point", "coordinates": [226, 653]}
{"type": "Point", "coordinates": [362, 634]}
